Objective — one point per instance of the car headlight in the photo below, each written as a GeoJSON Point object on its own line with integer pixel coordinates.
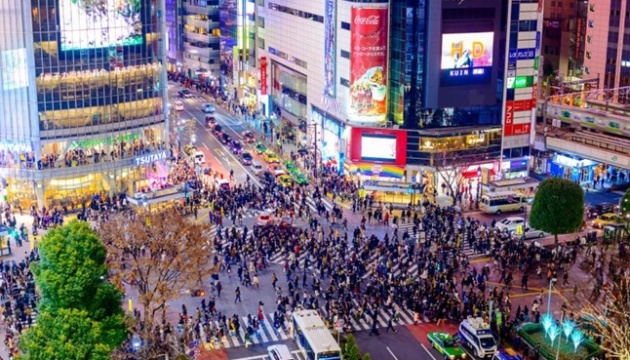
{"type": "Point", "coordinates": [452, 357]}
{"type": "Point", "coordinates": [463, 355]}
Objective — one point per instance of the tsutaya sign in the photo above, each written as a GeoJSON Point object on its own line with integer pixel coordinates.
{"type": "Point", "coordinates": [150, 158]}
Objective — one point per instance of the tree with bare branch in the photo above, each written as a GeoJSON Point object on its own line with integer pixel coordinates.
{"type": "Point", "coordinates": [606, 310]}
{"type": "Point", "coordinates": [161, 255]}
{"type": "Point", "coordinates": [451, 164]}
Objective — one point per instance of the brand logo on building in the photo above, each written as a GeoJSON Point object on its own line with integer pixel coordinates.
{"type": "Point", "coordinates": [150, 158]}
{"type": "Point", "coordinates": [367, 23]}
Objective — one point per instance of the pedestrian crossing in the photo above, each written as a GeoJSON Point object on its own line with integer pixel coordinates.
{"type": "Point", "coordinates": [420, 234]}
{"type": "Point", "coordinates": [267, 333]}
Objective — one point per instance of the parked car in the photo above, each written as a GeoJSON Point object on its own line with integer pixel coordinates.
{"type": "Point", "coordinates": [226, 139]}
{"type": "Point", "coordinates": [285, 180]}
{"type": "Point", "coordinates": [606, 219]}
{"type": "Point", "coordinates": [510, 224]}
{"type": "Point", "coordinates": [208, 108]}
{"type": "Point", "coordinates": [593, 211]}
{"type": "Point", "coordinates": [246, 158]}
{"type": "Point", "coordinates": [179, 106]}
{"type": "Point", "coordinates": [270, 157]}
{"type": "Point", "coordinates": [236, 147]}
{"type": "Point", "coordinates": [266, 176]}
{"type": "Point", "coordinates": [218, 130]}
{"type": "Point", "coordinates": [248, 137]}
{"type": "Point", "coordinates": [530, 233]}
{"type": "Point", "coordinates": [446, 344]}
{"type": "Point", "coordinates": [291, 167]}
{"type": "Point", "coordinates": [260, 148]}
{"type": "Point", "coordinates": [185, 93]}
{"type": "Point", "coordinates": [257, 167]}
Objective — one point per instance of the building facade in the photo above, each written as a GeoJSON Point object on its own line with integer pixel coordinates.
{"type": "Point", "coordinates": [83, 96]}
{"type": "Point", "coordinates": [422, 82]}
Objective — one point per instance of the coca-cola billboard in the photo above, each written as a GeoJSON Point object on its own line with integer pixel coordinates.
{"type": "Point", "coordinates": [368, 65]}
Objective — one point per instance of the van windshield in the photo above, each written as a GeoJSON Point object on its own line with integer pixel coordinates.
{"type": "Point", "coordinates": [487, 342]}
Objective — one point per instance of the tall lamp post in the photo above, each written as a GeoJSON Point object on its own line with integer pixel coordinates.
{"type": "Point", "coordinates": [551, 282]}
{"type": "Point", "coordinates": [478, 187]}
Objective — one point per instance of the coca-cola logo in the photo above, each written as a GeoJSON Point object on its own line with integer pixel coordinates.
{"type": "Point", "coordinates": [367, 24]}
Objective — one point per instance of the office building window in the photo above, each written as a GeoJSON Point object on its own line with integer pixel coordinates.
{"type": "Point", "coordinates": [288, 57]}
{"type": "Point", "coordinates": [345, 54]}
{"type": "Point", "coordinates": [345, 25]}
{"type": "Point", "coordinates": [295, 12]}
{"type": "Point", "coordinates": [344, 82]}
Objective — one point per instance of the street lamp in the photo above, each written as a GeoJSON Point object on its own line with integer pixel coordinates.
{"type": "Point", "coordinates": [551, 282]}
{"type": "Point", "coordinates": [478, 186]}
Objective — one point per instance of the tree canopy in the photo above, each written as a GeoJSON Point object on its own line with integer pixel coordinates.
{"type": "Point", "coordinates": [80, 311]}
{"type": "Point", "coordinates": [71, 272]}
{"type": "Point", "coordinates": [558, 207]}
{"type": "Point", "coordinates": [70, 334]}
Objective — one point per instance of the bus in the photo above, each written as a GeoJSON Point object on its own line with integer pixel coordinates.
{"type": "Point", "coordinates": [503, 201]}
{"type": "Point", "coordinates": [313, 337]}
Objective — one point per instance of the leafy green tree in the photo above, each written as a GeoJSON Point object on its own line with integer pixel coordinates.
{"type": "Point", "coordinates": [351, 350]}
{"type": "Point", "coordinates": [69, 334]}
{"type": "Point", "coordinates": [558, 207]}
{"type": "Point", "coordinates": [71, 272]}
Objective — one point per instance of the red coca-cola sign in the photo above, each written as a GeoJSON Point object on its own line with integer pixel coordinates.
{"type": "Point", "coordinates": [367, 24]}
{"type": "Point", "coordinates": [368, 65]}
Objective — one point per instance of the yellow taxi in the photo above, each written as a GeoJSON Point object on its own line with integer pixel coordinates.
{"type": "Point", "coordinates": [606, 219]}
{"type": "Point", "coordinates": [270, 157]}
{"type": "Point", "coordinates": [285, 180]}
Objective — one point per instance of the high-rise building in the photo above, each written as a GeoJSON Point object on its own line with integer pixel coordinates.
{"type": "Point", "coordinates": [194, 37]}
{"type": "Point", "coordinates": [562, 48]}
{"type": "Point", "coordinates": [82, 98]}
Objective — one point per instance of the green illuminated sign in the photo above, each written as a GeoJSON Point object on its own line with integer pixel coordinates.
{"type": "Point", "coordinates": [523, 82]}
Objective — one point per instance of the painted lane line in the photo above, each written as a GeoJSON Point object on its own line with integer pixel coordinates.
{"type": "Point", "coordinates": [428, 352]}
{"type": "Point", "coordinates": [391, 353]}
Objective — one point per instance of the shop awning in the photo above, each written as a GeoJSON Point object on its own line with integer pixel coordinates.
{"type": "Point", "coordinates": [473, 173]}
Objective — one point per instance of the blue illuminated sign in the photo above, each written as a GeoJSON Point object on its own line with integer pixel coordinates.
{"type": "Point", "coordinates": [522, 54]}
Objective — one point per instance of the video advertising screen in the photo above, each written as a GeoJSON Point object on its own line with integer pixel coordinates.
{"type": "Point", "coordinates": [93, 24]}
{"type": "Point", "coordinates": [466, 58]}
{"type": "Point", "coordinates": [378, 148]}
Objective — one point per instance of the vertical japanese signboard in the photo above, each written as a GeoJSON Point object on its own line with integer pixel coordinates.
{"type": "Point", "coordinates": [263, 75]}
{"type": "Point", "coordinates": [330, 48]}
{"type": "Point", "coordinates": [368, 65]}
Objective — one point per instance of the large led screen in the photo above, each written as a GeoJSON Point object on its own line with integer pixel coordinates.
{"type": "Point", "coordinates": [378, 148]}
{"type": "Point", "coordinates": [93, 24]}
{"type": "Point", "coordinates": [467, 58]}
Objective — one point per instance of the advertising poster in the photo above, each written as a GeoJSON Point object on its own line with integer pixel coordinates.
{"type": "Point", "coordinates": [368, 65]}
{"type": "Point", "coordinates": [87, 24]}
{"type": "Point", "coordinates": [330, 48]}
{"type": "Point", "coordinates": [263, 75]}
{"type": "Point", "coordinates": [466, 58]}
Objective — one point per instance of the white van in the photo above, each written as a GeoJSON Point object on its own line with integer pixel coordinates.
{"type": "Point", "coordinates": [279, 352]}
{"type": "Point", "coordinates": [476, 337]}
{"type": "Point", "coordinates": [199, 158]}
{"type": "Point", "coordinates": [222, 184]}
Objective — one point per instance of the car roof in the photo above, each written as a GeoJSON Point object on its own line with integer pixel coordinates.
{"type": "Point", "coordinates": [515, 218]}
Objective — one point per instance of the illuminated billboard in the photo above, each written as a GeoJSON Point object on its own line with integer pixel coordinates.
{"type": "Point", "coordinates": [466, 58]}
{"type": "Point", "coordinates": [380, 148]}
{"type": "Point", "coordinates": [368, 65]}
{"type": "Point", "coordinates": [94, 24]}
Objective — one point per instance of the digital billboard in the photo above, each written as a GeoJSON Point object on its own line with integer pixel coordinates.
{"type": "Point", "coordinates": [378, 148]}
{"type": "Point", "coordinates": [368, 65]}
{"type": "Point", "coordinates": [466, 58]}
{"type": "Point", "coordinates": [93, 24]}
{"type": "Point", "coordinates": [377, 145]}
